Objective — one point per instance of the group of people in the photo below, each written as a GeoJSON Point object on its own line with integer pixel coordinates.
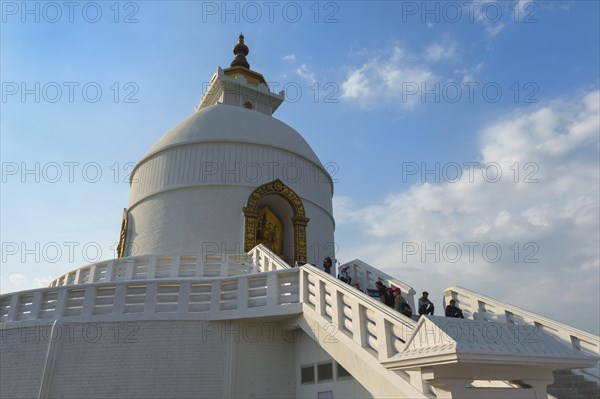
{"type": "Point", "coordinates": [426, 307]}
{"type": "Point", "coordinates": [393, 297]}
{"type": "Point", "coordinates": [342, 274]}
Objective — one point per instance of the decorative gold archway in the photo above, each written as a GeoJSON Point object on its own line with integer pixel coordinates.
{"type": "Point", "coordinates": [299, 220]}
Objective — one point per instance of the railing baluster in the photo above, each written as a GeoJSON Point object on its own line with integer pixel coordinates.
{"type": "Point", "coordinates": [152, 266]}
{"type": "Point", "coordinates": [129, 266]}
{"type": "Point", "coordinates": [223, 272]}
{"type": "Point", "coordinates": [61, 303]}
{"type": "Point", "coordinates": [272, 290]}
{"type": "Point", "coordinates": [184, 297]}
{"type": "Point", "coordinates": [242, 301]}
{"type": "Point", "coordinates": [175, 266]}
{"type": "Point", "coordinates": [12, 310]}
{"type": "Point", "coordinates": [77, 276]}
{"type": "Point", "coordinates": [215, 297]}
{"type": "Point", "coordinates": [88, 301]}
{"type": "Point", "coordinates": [320, 300]}
{"type": "Point", "coordinates": [119, 301]}
{"type": "Point", "coordinates": [337, 312]}
{"type": "Point", "coordinates": [150, 300]}
{"type": "Point", "coordinates": [36, 306]}
{"type": "Point", "coordinates": [110, 270]}
{"type": "Point", "coordinates": [199, 267]}
{"type": "Point", "coordinates": [92, 275]}
{"type": "Point", "coordinates": [384, 349]}
{"type": "Point", "coordinates": [358, 324]}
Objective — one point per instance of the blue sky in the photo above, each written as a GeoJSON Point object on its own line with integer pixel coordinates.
{"type": "Point", "coordinates": [356, 75]}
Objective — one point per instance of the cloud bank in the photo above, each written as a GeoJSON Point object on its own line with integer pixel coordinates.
{"type": "Point", "coordinates": [520, 224]}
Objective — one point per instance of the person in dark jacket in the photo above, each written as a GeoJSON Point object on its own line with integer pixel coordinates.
{"type": "Point", "coordinates": [327, 263]}
{"type": "Point", "coordinates": [453, 311]}
{"type": "Point", "coordinates": [425, 305]}
{"type": "Point", "coordinates": [383, 292]}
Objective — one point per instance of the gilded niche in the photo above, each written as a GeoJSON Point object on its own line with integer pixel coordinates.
{"type": "Point", "coordinates": [269, 230]}
{"type": "Point", "coordinates": [253, 217]}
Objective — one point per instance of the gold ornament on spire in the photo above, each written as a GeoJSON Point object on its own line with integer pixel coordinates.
{"type": "Point", "coordinates": [240, 67]}
{"type": "Point", "coordinates": [241, 51]}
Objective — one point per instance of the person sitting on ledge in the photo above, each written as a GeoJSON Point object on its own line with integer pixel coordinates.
{"type": "Point", "coordinates": [453, 311]}
{"type": "Point", "coordinates": [425, 305]}
{"type": "Point", "coordinates": [344, 276]}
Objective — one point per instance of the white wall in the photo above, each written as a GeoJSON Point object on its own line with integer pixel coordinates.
{"type": "Point", "coordinates": [152, 359]}
{"type": "Point", "coordinates": [22, 356]}
{"type": "Point", "coordinates": [176, 205]}
{"type": "Point", "coordinates": [307, 353]}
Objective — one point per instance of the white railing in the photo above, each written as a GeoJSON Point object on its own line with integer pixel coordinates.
{"type": "Point", "coordinates": [379, 329]}
{"type": "Point", "coordinates": [481, 307]}
{"type": "Point", "coordinates": [372, 331]}
{"type": "Point", "coordinates": [265, 260]}
{"type": "Point", "coordinates": [367, 275]}
{"type": "Point", "coordinates": [372, 325]}
{"type": "Point", "coordinates": [252, 295]}
{"type": "Point", "coordinates": [191, 266]}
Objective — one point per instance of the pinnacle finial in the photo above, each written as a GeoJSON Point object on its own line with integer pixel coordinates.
{"type": "Point", "coordinates": [241, 51]}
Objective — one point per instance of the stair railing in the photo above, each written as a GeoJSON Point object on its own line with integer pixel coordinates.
{"type": "Point", "coordinates": [481, 307]}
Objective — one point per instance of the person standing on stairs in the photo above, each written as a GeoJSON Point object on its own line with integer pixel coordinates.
{"type": "Point", "coordinates": [327, 263]}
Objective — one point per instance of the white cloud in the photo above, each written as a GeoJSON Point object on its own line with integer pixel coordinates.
{"type": "Point", "coordinates": [553, 220]}
{"type": "Point", "coordinates": [467, 74]}
{"type": "Point", "coordinates": [305, 73]}
{"type": "Point", "coordinates": [386, 77]}
{"type": "Point", "coordinates": [437, 51]}
{"type": "Point", "coordinates": [17, 282]}
{"type": "Point", "coordinates": [289, 57]}
{"type": "Point", "coordinates": [489, 13]}
{"type": "Point", "coordinates": [356, 85]}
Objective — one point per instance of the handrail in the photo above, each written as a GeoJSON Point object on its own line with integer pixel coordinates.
{"type": "Point", "coordinates": [371, 324]}
{"type": "Point", "coordinates": [193, 265]}
{"type": "Point", "coordinates": [220, 298]}
{"type": "Point", "coordinates": [372, 330]}
{"type": "Point", "coordinates": [367, 275]}
{"type": "Point", "coordinates": [482, 307]}
{"type": "Point", "coordinates": [266, 260]}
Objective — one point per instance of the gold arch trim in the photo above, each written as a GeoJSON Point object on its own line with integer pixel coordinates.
{"type": "Point", "coordinates": [277, 187]}
{"type": "Point", "coordinates": [123, 235]}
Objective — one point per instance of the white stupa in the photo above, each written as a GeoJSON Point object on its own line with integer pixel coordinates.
{"type": "Point", "coordinates": [215, 293]}
{"type": "Point", "coordinates": [228, 171]}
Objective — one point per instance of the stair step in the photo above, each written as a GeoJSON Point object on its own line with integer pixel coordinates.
{"type": "Point", "coordinates": [572, 386]}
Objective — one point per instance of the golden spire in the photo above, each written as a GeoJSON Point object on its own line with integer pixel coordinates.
{"type": "Point", "coordinates": [241, 51]}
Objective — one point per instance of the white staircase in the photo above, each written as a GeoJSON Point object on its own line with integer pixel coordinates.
{"type": "Point", "coordinates": [393, 356]}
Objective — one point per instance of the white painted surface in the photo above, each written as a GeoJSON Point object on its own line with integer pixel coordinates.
{"type": "Point", "coordinates": [224, 89]}
{"type": "Point", "coordinates": [189, 191]}
{"type": "Point", "coordinates": [309, 353]}
{"type": "Point", "coordinates": [227, 123]}
{"type": "Point", "coordinates": [151, 359]}
{"type": "Point", "coordinates": [236, 315]}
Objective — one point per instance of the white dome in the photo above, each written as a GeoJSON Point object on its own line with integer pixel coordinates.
{"type": "Point", "coordinates": [227, 123]}
{"type": "Point", "coordinates": [190, 189]}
